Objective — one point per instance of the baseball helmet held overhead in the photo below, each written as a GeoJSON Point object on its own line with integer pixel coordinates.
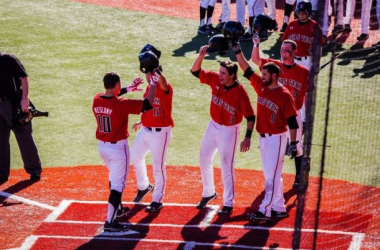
{"type": "Point", "coordinates": [218, 43]}
{"type": "Point", "coordinates": [148, 62]}
{"type": "Point", "coordinates": [304, 6]}
{"type": "Point", "coordinates": [264, 22]}
{"type": "Point", "coordinates": [232, 30]}
{"type": "Point", "coordinates": [149, 47]}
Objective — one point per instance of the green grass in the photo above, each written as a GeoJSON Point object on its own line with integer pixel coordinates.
{"type": "Point", "coordinates": [67, 47]}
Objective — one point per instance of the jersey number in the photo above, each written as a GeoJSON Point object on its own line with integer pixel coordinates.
{"type": "Point", "coordinates": [104, 123]}
{"type": "Point", "coordinates": [273, 118]}
{"type": "Point", "coordinates": [157, 111]}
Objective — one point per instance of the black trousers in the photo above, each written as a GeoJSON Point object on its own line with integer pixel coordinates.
{"type": "Point", "coordinates": [27, 146]}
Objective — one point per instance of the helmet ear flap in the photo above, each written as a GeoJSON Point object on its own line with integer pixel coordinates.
{"type": "Point", "coordinates": [218, 43]}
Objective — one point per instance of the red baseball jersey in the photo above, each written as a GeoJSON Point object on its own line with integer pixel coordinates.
{"type": "Point", "coordinates": [274, 107]}
{"type": "Point", "coordinates": [227, 107]}
{"type": "Point", "coordinates": [295, 79]}
{"type": "Point", "coordinates": [111, 114]}
{"type": "Point", "coordinates": [303, 34]}
{"type": "Point", "coordinates": [161, 114]}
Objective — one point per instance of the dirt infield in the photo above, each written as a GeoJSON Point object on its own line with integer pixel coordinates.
{"type": "Point", "coordinates": [67, 209]}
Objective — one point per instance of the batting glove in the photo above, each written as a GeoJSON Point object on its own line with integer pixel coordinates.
{"type": "Point", "coordinates": [154, 78]}
{"type": "Point", "coordinates": [292, 150]}
{"type": "Point", "coordinates": [135, 84]}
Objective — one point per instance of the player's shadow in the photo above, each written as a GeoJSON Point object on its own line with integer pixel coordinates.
{"type": "Point", "coordinates": [13, 190]}
{"type": "Point", "coordinates": [141, 227]}
{"type": "Point", "coordinates": [260, 237]}
{"type": "Point", "coordinates": [192, 46]}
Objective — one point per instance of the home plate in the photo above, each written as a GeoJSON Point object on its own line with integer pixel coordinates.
{"type": "Point", "coordinates": [128, 232]}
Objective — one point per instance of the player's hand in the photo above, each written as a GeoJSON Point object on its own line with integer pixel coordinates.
{"type": "Point", "coordinates": [136, 126]}
{"type": "Point", "coordinates": [255, 38]}
{"type": "Point", "coordinates": [203, 50]}
{"type": "Point", "coordinates": [292, 150]}
{"type": "Point", "coordinates": [153, 78]}
{"type": "Point", "coordinates": [245, 145]}
{"type": "Point", "coordinates": [25, 105]}
{"type": "Point", "coordinates": [135, 84]}
{"type": "Point", "coordinates": [235, 46]}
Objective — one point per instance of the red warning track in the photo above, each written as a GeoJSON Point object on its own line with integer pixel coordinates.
{"type": "Point", "coordinates": [67, 208]}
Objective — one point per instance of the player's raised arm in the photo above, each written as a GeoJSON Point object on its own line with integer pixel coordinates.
{"type": "Point", "coordinates": [162, 79]}
{"type": "Point", "coordinates": [198, 62]}
{"type": "Point", "coordinates": [243, 63]}
{"type": "Point", "coordinates": [255, 56]}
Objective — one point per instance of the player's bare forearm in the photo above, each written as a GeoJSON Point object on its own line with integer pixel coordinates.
{"type": "Point", "coordinates": [162, 82]}
{"type": "Point", "coordinates": [243, 63]}
{"type": "Point", "coordinates": [25, 94]}
{"type": "Point", "coordinates": [198, 62]}
{"type": "Point", "coordinates": [293, 135]}
{"type": "Point", "coordinates": [245, 145]}
{"type": "Point", "coordinates": [255, 56]}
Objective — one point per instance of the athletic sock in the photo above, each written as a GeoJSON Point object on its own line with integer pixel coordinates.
{"type": "Point", "coordinates": [210, 11]}
{"type": "Point", "coordinates": [298, 164]}
{"type": "Point", "coordinates": [288, 12]}
{"type": "Point", "coordinates": [202, 14]}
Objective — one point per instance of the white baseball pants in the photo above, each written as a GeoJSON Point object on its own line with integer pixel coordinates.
{"type": "Point", "coordinates": [223, 139]}
{"type": "Point", "coordinates": [226, 11]}
{"type": "Point", "coordinates": [157, 142]}
{"type": "Point", "coordinates": [272, 151]}
{"type": "Point", "coordinates": [116, 158]}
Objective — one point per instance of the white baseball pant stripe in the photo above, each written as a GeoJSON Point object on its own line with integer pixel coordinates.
{"type": "Point", "coordinates": [116, 158]}
{"type": "Point", "coordinates": [224, 140]}
{"type": "Point", "coordinates": [157, 142]}
{"type": "Point", "coordinates": [272, 151]}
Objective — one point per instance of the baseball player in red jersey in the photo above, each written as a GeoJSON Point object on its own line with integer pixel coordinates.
{"type": "Point", "coordinates": [155, 135]}
{"type": "Point", "coordinates": [111, 113]}
{"type": "Point", "coordinates": [295, 78]}
{"type": "Point", "coordinates": [275, 112]}
{"type": "Point", "coordinates": [229, 104]}
{"type": "Point", "coordinates": [303, 31]}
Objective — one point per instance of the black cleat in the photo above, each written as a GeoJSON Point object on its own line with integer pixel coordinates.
{"type": "Point", "coordinates": [225, 210]}
{"type": "Point", "coordinates": [338, 29]}
{"type": "Point", "coordinates": [141, 193]}
{"type": "Point", "coordinates": [153, 207]}
{"type": "Point", "coordinates": [123, 211]}
{"type": "Point", "coordinates": [115, 227]}
{"type": "Point", "coordinates": [347, 28]}
{"type": "Point", "coordinates": [277, 214]}
{"type": "Point", "coordinates": [203, 30]}
{"type": "Point", "coordinates": [363, 37]}
{"type": "Point", "coordinates": [205, 200]}
{"type": "Point", "coordinates": [35, 177]}
{"type": "Point", "coordinates": [258, 216]}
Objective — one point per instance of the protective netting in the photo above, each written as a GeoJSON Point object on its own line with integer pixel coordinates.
{"type": "Point", "coordinates": [342, 146]}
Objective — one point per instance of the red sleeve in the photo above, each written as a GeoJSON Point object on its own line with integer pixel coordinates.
{"type": "Point", "coordinates": [290, 107]}
{"type": "Point", "coordinates": [208, 77]}
{"type": "Point", "coordinates": [131, 106]}
{"type": "Point", "coordinates": [255, 81]}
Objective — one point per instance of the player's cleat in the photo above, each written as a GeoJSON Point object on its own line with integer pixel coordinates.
{"type": "Point", "coordinates": [123, 211]}
{"type": "Point", "coordinates": [211, 28]}
{"type": "Point", "coordinates": [277, 214]}
{"type": "Point", "coordinates": [35, 177]}
{"type": "Point", "coordinates": [202, 30]}
{"type": "Point", "coordinates": [205, 200]}
{"type": "Point", "coordinates": [363, 37]}
{"type": "Point", "coordinates": [141, 193]}
{"type": "Point", "coordinates": [225, 210]}
{"type": "Point", "coordinates": [338, 29]}
{"type": "Point", "coordinates": [283, 28]}
{"type": "Point", "coordinates": [153, 207]}
{"type": "Point", "coordinates": [347, 28]}
{"type": "Point", "coordinates": [258, 216]}
{"type": "Point", "coordinates": [115, 227]}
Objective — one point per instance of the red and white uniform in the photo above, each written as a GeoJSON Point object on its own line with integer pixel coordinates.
{"type": "Point", "coordinates": [154, 136]}
{"type": "Point", "coordinates": [111, 114]}
{"type": "Point", "coordinates": [274, 107]}
{"type": "Point", "coordinates": [295, 79]}
{"type": "Point", "coordinates": [227, 109]}
{"type": "Point", "coordinates": [303, 34]}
